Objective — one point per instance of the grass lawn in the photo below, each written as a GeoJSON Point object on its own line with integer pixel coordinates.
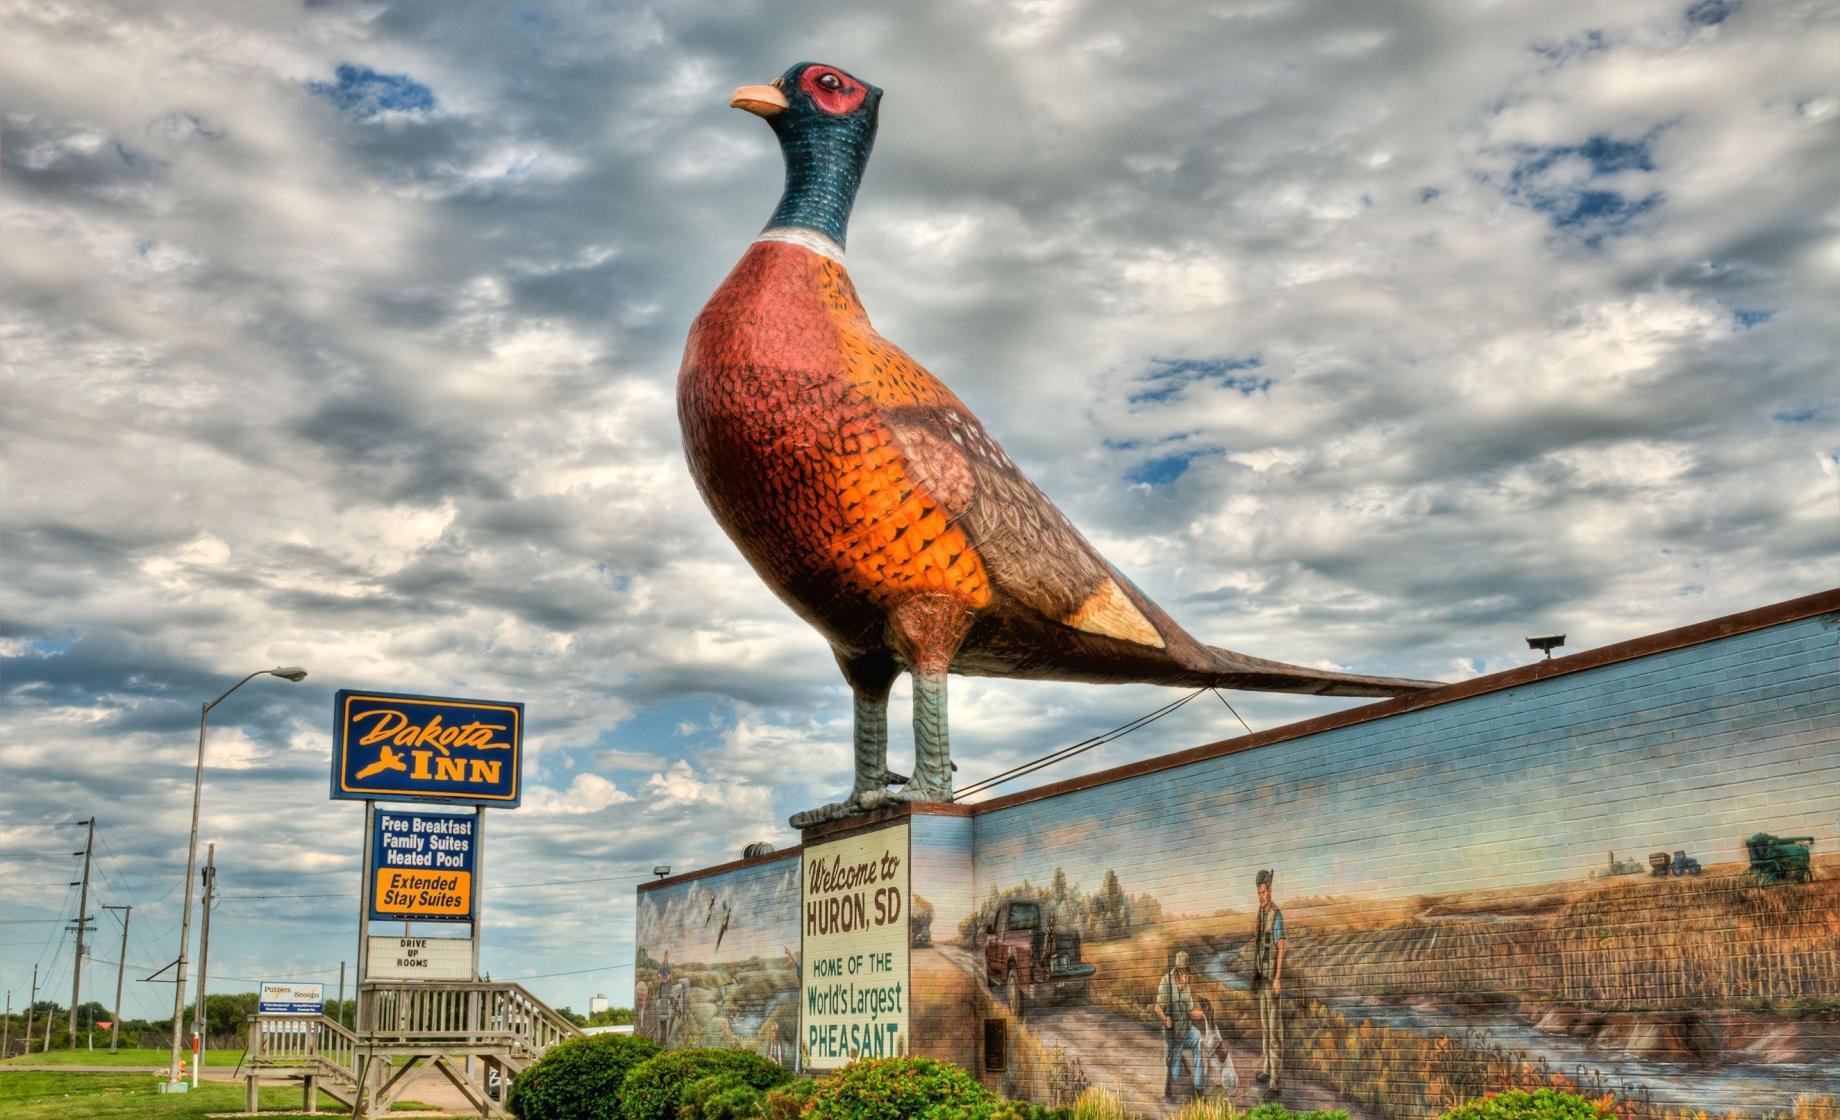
{"type": "Point", "coordinates": [123, 1057]}
{"type": "Point", "coordinates": [125, 1096]}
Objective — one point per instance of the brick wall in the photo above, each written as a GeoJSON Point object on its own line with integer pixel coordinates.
{"type": "Point", "coordinates": [1444, 873]}
{"type": "Point", "coordinates": [1431, 868]}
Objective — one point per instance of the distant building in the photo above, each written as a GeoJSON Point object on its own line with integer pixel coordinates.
{"type": "Point", "coordinates": [597, 1004]}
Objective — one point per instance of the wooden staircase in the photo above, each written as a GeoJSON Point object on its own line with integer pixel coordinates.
{"type": "Point", "coordinates": [404, 1029]}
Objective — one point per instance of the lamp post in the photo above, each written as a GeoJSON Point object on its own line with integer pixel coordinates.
{"type": "Point", "coordinates": [286, 673]}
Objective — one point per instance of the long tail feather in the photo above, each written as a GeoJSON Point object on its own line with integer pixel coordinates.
{"type": "Point", "coordinates": [1256, 674]}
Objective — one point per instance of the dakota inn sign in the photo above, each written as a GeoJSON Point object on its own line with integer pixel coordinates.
{"type": "Point", "coordinates": [388, 746]}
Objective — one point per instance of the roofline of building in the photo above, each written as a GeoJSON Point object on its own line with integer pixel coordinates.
{"type": "Point", "coordinates": [1744, 622]}
{"type": "Point", "coordinates": [720, 868]}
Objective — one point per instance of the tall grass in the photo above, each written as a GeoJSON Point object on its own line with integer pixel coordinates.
{"type": "Point", "coordinates": [1099, 1103]}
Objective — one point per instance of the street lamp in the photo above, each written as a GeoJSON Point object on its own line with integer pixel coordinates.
{"type": "Point", "coordinates": [286, 673]}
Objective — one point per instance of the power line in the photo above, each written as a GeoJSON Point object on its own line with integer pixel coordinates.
{"type": "Point", "coordinates": [1235, 711]}
{"type": "Point", "coordinates": [121, 877]}
{"type": "Point", "coordinates": [1027, 768]}
{"type": "Point", "coordinates": [633, 876]}
{"type": "Point", "coordinates": [150, 969]}
{"type": "Point", "coordinates": [576, 972]}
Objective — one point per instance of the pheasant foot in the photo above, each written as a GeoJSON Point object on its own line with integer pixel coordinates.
{"type": "Point", "coordinates": [862, 801]}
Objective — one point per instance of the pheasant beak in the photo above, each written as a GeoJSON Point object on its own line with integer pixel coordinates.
{"type": "Point", "coordinates": [762, 101]}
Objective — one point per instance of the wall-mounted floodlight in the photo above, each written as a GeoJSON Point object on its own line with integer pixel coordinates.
{"type": "Point", "coordinates": [662, 870]}
{"type": "Point", "coordinates": [1546, 643]}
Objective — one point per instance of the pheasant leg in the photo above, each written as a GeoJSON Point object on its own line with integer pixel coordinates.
{"type": "Point", "coordinates": [932, 780]}
{"type": "Point", "coordinates": [870, 677]}
{"type": "Point", "coordinates": [928, 632]}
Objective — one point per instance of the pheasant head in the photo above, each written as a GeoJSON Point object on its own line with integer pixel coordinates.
{"type": "Point", "coordinates": [825, 121]}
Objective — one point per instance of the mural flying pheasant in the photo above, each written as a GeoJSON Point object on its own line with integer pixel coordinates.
{"type": "Point", "coordinates": [876, 505]}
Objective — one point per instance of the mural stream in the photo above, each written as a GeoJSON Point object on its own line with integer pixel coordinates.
{"type": "Point", "coordinates": [1714, 1087]}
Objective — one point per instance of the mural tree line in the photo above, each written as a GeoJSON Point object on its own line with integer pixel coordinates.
{"type": "Point", "coordinates": [1107, 915]}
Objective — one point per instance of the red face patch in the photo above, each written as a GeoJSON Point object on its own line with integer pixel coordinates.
{"type": "Point", "coordinates": [835, 92]}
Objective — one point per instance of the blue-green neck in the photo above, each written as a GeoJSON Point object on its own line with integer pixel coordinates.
{"type": "Point", "coordinates": [824, 167]}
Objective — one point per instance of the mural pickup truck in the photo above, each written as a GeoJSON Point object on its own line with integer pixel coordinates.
{"type": "Point", "coordinates": [1028, 960]}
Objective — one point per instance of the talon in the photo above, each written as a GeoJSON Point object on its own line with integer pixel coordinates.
{"type": "Point", "coordinates": [869, 799]}
{"type": "Point", "coordinates": [890, 778]}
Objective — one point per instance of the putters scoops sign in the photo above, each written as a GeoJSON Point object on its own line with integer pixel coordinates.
{"type": "Point", "coordinates": [854, 919]}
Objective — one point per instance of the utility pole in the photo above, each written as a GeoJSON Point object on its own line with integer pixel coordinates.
{"type": "Point", "coordinates": [76, 966]}
{"type": "Point", "coordinates": [121, 967]}
{"type": "Point", "coordinates": [199, 1021]}
{"type": "Point", "coordinates": [341, 1004]}
{"type": "Point", "coordinates": [30, 1007]}
{"type": "Point", "coordinates": [6, 1024]}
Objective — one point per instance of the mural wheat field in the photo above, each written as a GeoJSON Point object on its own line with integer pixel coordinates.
{"type": "Point", "coordinates": [1718, 940]}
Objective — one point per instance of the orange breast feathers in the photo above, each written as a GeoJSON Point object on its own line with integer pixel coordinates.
{"type": "Point", "coordinates": [897, 535]}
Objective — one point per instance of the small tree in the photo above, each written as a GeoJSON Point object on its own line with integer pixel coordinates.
{"type": "Point", "coordinates": [581, 1079]}
{"type": "Point", "coordinates": [897, 1089]}
{"type": "Point", "coordinates": [655, 1090]}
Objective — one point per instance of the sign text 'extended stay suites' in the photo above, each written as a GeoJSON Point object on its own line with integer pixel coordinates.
{"type": "Point", "coordinates": [422, 866]}
{"type": "Point", "coordinates": [427, 748]}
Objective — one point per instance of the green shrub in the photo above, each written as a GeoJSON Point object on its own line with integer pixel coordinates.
{"type": "Point", "coordinates": [724, 1096]}
{"type": "Point", "coordinates": [1519, 1104]}
{"type": "Point", "coordinates": [899, 1089]}
{"type": "Point", "coordinates": [1003, 1110]}
{"type": "Point", "coordinates": [579, 1079]}
{"type": "Point", "coordinates": [1271, 1110]}
{"type": "Point", "coordinates": [785, 1102]}
{"type": "Point", "coordinates": [655, 1089]}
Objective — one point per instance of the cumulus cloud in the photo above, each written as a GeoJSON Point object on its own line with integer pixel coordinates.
{"type": "Point", "coordinates": [1371, 336]}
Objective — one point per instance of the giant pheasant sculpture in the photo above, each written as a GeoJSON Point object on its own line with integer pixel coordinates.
{"type": "Point", "coordinates": [876, 505]}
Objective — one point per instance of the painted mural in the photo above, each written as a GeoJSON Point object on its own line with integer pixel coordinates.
{"type": "Point", "coordinates": [718, 964]}
{"type": "Point", "coordinates": [1625, 884]}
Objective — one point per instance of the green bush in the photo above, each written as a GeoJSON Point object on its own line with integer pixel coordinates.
{"type": "Point", "coordinates": [897, 1089]}
{"type": "Point", "coordinates": [655, 1089]}
{"type": "Point", "coordinates": [999, 1109]}
{"type": "Point", "coordinates": [785, 1102]}
{"type": "Point", "coordinates": [579, 1079]}
{"type": "Point", "coordinates": [724, 1096]}
{"type": "Point", "coordinates": [1519, 1104]}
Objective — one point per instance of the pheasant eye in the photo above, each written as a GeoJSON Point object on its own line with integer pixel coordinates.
{"type": "Point", "coordinates": [832, 92]}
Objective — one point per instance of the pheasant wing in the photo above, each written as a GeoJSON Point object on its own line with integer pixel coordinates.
{"type": "Point", "coordinates": [1032, 552]}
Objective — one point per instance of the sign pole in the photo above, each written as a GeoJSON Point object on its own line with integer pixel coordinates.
{"type": "Point", "coordinates": [360, 1024]}
{"type": "Point", "coordinates": [479, 890]}
{"type": "Point", "coordinates": [479, 879]}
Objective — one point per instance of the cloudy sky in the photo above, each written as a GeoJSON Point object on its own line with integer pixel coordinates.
{"type": "Point", "coordinates": [344, 335]}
